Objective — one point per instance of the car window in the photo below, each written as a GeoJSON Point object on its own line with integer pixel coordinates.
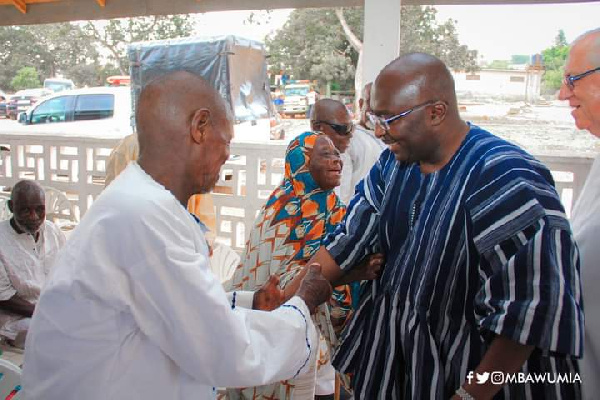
{"type": "Point", "coordinates": [53, 110]}
{"type": "Point", "coordinates": [94, 106]}
{"type": "Point", "coordinates": [299, 91]}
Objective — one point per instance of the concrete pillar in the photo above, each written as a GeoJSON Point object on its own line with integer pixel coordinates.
{"type": "Point", "coordinates": [381, 36]}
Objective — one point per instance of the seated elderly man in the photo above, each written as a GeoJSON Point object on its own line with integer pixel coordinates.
{"type": "Point", "coordinates": [29, 244]}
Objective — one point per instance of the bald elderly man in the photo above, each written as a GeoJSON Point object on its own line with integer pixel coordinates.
{"type": "Point", "coordinates": [132, 309]}
{"type": "Point", "coordinates": [581, 88]}
{"type": "Point", "coordinates": [29, 244]}
{"type": "Point", "coordinates": [481, 275]}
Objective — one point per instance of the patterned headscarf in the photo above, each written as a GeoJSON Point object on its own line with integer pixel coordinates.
{"type": "Point", "coordinates": [293, 223]}
{"type": "Point", "coordinates": [286, 234]}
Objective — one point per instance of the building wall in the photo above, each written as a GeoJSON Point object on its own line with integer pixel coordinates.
{"type": "Point", "coordinates": [509, 85]}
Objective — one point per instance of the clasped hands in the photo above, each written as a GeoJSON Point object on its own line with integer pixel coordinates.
{"type": "Point", "coordinates": [314, 288]}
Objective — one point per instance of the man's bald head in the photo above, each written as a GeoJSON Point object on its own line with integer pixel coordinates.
{"type": "Point", "coordinates": [184, 130]}
{"type": "Point", "coordinates": [167, 104]}
{"type": "Point", "coordinates": [27, 203]}
{"type": "Point", "coordinates": [590, 44]}
{"type": "Point", "coordinates": [416, 78]}
{"type": "Point", "coordinates": [583, 94]}
{"type": "Point", "coordinates": [325, 109]}
{"type": "Point", "coordinates": [333, 119]}
{"type": "Point", "coordinates": [415, 101]}
{"type": "Point", "coordinates": [26, 189]}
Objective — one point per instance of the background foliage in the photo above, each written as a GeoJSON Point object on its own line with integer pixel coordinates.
{"type": "Point", "coordinates": [312, 44]}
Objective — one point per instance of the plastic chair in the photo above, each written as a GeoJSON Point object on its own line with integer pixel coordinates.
{"type": "Point", "coordinates": [4, 211]}
{"type": "Point", "coordinates": [59, 209]}
{"type": "Point", "coordinates": [224, 261]}
{"type": "Point", "coordinates": [10, 381]}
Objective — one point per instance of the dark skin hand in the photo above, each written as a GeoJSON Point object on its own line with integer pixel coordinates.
{"type": "Point", "coordinates": [314, 288]}
{"type": "Point", "coordinates": [368, 269]}
{"type": "Point", "coordinates": [18, 305]}
{"type": "Point", "coordinates": [504, 355]}
{"type": "Point", "coordinates": [269, 296]}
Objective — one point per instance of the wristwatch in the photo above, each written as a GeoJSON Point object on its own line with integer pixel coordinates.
{"type": "Point", "coordinates": [463, 394]}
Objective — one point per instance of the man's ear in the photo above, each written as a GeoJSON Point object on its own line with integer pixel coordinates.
{"type": "Point", "coordinates": [438, 113]}
{"type": "Point", "coordinates": [360, 103]}
{"type": "Point", "coordinates": [10, 206]}
{"type": "Point", "coordinates": [314, 126]}
{"type": "Point", "coordinates": [199, 125]}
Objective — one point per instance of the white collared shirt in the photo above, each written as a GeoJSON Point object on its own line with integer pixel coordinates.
{"type": "Point", "coordinates": [131, 310]}
{"type": "Point", "coordinates": [24, 266]}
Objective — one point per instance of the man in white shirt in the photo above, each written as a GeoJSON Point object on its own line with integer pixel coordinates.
{"type": "Point", "coordinates": [29, 245]}
{"type": "Point", "coordinates": [581, 88]}
{"type": "Point", "coordinates": [131, 309]}
{"type": "Point", "coordinates": [364, 150]}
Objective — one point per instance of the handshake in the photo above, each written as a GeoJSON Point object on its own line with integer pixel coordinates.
{"type": "Point", "coordinates": [314, 290]}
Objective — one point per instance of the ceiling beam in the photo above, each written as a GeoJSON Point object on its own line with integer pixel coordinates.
{"type": "Point", "coordinates": [20, 5]}
{"type": "Point", "coordinates": [49, 11]}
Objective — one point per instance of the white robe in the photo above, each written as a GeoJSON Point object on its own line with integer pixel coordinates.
{"type": "Point", "coordinates": [586, 229]}
{"type": "Point", "coordinates": [24, 265]}
{"type": "Point", "coordinates": [362, 154]}
{"type": "Point", "coordinates": [132, 311]}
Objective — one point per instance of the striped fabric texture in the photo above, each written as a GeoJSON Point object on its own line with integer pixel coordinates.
{"type": "Point", "coordinates": [479, 248]}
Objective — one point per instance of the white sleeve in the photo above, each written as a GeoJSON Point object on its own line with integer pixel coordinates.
{"type": "Point", "coordinates": [181, 306]}
{"type": "Point", "coordinates": [7, 290]}
{"type": "Point", "coordinates": [241, 298]}
{"type": "Point", "coordinates": [346, 190]}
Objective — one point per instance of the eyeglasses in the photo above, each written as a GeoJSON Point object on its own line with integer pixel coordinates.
{"type": "Point", "coordinates": [342, 130]}
{"type": "Point", "coordinates": [571, 79]}
{"type": "Point", "coordinates": [385, 122]}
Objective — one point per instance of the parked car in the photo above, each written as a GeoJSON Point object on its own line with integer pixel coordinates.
{"type": "Point", "coordinates": [23, 99]}
{"type": "Point", "coordinates": [3, 104]}
{"type": "Point", "coordinates": [58, 84]}
{"type": "Point", "coordinates": [99, 112]}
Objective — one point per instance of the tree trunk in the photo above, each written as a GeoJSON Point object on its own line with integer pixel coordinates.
{"type": "Point", "coordinates": [358, 46]}
{"type": "Point", "coordinates": [358, 82]}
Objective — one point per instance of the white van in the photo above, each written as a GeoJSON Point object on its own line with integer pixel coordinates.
{"type": "Point", "coordinates": [94, 112]}
{"type": "Point", "coordinates": [58, 84]}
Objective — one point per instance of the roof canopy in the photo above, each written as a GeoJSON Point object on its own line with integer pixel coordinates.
{"type": "Point", "coordinates": [25, 12]}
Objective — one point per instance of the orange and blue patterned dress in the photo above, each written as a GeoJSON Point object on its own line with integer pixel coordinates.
{"type": "Point", "coordinates": [288, 231]}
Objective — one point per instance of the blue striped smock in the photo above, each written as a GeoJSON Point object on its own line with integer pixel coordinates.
{"type": "Point", "coordinates": [479, 248]}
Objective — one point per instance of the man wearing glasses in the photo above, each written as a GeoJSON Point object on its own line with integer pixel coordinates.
{"type": "Point", "coordinates": [331, 117]}
{"type": "Point", "coordinates": [581, 88]}
{"type": "Point", "coordinates": [481, 276]}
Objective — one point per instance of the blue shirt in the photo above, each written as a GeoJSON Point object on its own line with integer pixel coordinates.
{"type": "Point", "coordinates": [479, 248]}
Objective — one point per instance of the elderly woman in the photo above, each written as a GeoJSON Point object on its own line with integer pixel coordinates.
{"type": "Point", "coordinates": [287, 232]}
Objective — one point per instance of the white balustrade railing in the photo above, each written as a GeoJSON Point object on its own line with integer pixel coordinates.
{"type": "Point", "coordinates": [77, 167]}
{"type": "Point", "coordinates": [74, 165]}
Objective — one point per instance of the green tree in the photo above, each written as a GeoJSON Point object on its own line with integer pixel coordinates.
{"type": "Point", "coordinates": [73, 50]}
{"type": "Point", "coordinates": [325, 45]}
{"type": "Point", "coordinates": [499, 64]}
{"type": "Point", "coordinates": [26, 78]}
{"type": "Point", "coordinates": [44, 48]}
{"type": "Point", "coordinates": [555, 58]}
{"type": "Point", "coordinates": [115, 34]}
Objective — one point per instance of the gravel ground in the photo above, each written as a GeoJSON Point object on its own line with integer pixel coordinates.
{"type": "Point", "coordinates": [547, 129]}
